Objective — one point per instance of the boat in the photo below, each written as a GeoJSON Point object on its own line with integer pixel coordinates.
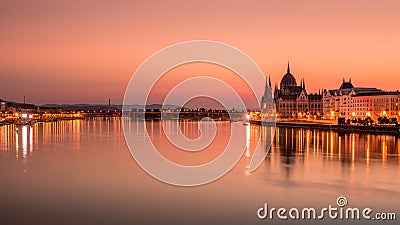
{"type": "Point", "coordinates": [43, 120]}
{"type": "Point", "coordinates": [67, 118]}
{"type": "Point", "coordinates": [22, 122]}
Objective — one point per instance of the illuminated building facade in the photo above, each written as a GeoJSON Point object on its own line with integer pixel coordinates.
{"type": "Point", "coordinates": [351, 102]}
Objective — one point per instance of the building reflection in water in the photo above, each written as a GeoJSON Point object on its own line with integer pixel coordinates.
{"type": "Point", "coordinates": [290, 145]}
{"type": "Point", "coordinates": [294, 145]}
{"type": "Point", "coordinates": [22, 141]}
{"type": "Point", "coordinates": [247, 142]}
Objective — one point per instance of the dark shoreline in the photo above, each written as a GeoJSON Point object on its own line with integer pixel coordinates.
{"type": "Point", "coordinates": [387, 130]}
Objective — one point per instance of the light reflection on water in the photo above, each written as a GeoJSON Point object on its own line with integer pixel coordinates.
{"type": "Point", "coordinates": [349, 148]}
{"type": "Point", "coordinates": [88, 162]}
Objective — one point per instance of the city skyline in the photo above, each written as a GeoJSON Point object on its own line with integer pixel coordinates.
{"type": "Point", "coordinates": [158, 93]}
{"type": "Point", "coordinates": [60, 52]}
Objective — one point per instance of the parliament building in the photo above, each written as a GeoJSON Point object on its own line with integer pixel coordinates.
{"type": "Point", "coordinates": [347, 102]}
{"type": "Point", "coordinates": [293, 102]}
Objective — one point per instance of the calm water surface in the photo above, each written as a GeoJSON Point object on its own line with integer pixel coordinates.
{"type": "Point", "coordinates": [81, 172]}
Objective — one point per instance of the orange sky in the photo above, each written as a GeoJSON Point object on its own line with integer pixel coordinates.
{"type": "Point", "coordinates": [86, 52]}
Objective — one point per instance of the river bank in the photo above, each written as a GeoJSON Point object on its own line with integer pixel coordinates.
{"type": "Point", "coordinates": [389, 130]}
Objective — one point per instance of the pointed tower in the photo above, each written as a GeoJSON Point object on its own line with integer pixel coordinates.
{"type": "Point", "coordinates": [288, 67]}
{"type": "Point", "coordinates": [269, 80]}
{"type": "Point", "coordinates": [267, 102]}
{"type": "Point", "coordinates": [267, 90]}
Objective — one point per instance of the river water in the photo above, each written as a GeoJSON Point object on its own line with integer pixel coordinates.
{"type": "Point", "coordinates": [82, 172]}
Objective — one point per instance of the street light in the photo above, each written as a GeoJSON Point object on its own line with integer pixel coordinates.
{"type": "Point", "coordinates": [332, 114]}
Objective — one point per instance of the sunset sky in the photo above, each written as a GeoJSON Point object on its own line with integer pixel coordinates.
{"type": "Point", "coordinates": [86, 51]}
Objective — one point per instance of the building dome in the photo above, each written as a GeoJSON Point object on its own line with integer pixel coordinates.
{"type": "Point", "coordinates": [288, 79]}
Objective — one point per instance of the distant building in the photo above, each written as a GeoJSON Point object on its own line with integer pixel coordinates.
{"type": "Point", "coordinates": [11, 109]}
{"type": "Point", "coordinates": [2, 106]}
{"type": "Point", "coordinates": [293, 101]}
{"type": "Point", "coordinates": [351, 102]}
{"type": "Point", "coordinates": [376, 105]}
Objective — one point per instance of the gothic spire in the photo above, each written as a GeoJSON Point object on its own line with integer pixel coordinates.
{"type": "Point", "coordinates": [269, 80]}
{"type": "Point", "coordinates": [288, 67]}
